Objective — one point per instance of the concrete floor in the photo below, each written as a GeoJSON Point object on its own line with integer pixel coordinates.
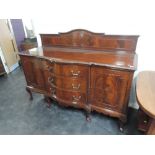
{"type": "Point", "coordinates": [19, 115]}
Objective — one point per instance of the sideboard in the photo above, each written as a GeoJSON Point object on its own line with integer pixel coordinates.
{"type": "Point", "coordinates": [85, 70]}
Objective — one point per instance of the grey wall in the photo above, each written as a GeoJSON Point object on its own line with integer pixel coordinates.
{"type": "Point", "coordinates": [18, 29]}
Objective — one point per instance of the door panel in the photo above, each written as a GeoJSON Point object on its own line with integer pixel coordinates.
{"type": "Point", "coordinates": [7, 44]}
{"type": "Point", "coordinates": [37, 72]}
{"type": "Point", "coordinates": [108, 88]}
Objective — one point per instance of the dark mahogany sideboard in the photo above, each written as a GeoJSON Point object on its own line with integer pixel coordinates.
{"type": "Point", "coordinates": [82, 69]}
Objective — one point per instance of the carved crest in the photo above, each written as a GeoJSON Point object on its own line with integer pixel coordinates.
{"type": "Point", "coordinates": [80, 38]}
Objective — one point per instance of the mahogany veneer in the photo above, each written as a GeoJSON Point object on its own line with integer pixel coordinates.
{"type": "Point", "coordinates": [87, 70]}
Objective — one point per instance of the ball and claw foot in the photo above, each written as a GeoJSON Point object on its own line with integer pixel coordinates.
{"type": "Point", "coordinates": [88, 118]}
{"type": "Point", "coordinates": [48, 100]}
{"type": "Point", "coordinates": [30, 93]}
{"type": "Point", "coordinates": [31, 98]}
{"type": "Point", "coordinates": [121, 129]}
{"type": "Point", "coordinates": [48, 106]}
{"type": "Point", "coordinates": [121, 126]}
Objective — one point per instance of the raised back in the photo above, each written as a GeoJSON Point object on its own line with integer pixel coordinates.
{"type": "Point", "coordinates": [80, 38]}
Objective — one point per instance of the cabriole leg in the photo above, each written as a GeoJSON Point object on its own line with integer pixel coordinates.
{"type": "Point", "coordinates": [30, 93]}
{"type": "Point", "coordinates": [88, 118]}
{"type": "Point", "coordinates": [122, 122]}
{"type": "Point", "coordinates": [48, 100]}
{"type": "Point", "coordinates": [88, 112]}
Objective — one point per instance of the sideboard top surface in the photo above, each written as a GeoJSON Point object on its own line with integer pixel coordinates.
{"type": "Point", "coordinates": [85, 47]}
{"type": "Point", "coordinates": [119, 59]}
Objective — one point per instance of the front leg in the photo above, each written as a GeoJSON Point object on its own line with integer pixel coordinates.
{"type": "Point", "coordinates": [122, 122]}
{"type": "Point", "coordinates": [30, 93]}
{"type": "Point", "coordinates": [88, 118]}
{"type": "Point", "coordinates": [48, 100]}
{"type": "Point", "coordinates": [88, 112]}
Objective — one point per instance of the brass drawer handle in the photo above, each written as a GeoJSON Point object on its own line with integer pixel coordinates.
{"type": "Point", "coordinates": [53, 92]}
{"type": "Point", "coordinates": [76, 99]}
{"type": "Point", "coordinates": [145, 121]}
{"type": "Point", "coordinates": [50, 80]}
{"type": "Point", "coordinates": [76, 87]}
{"type": "Point", "coordinates": [50, 69]}
{"type": "Point", "coordinates": [75, 73]}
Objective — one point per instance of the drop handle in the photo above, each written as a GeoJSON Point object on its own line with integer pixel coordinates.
{"type": "Point", "coordinates": [50, 80]}
{"type": "Point", "coordinates": [145, 121]}
{"type": "Point", "coordinates": [75, 73]}
{"type": "Point", "coordinates": [53, 92]}
{"type": "Point", "coordinates": [76, 87]}
{"type": "Point", "coordinates": [50, 69]}
{"type": "Point", "coordinates": [76, 99]}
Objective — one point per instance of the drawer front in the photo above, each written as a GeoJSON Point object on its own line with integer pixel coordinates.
{"type": "Point", "coordinates": [69, 97]}
{"type": "Point", "coordinates": [68, 83]}
{"type": "Point", "coordinates": [71, 70]}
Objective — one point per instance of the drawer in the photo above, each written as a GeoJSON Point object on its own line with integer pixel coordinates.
{"type": "Point", "coordinates": [71, 70]}
{"type": "Point", "coordinates": [69, 97]}
{"type": "Point", "coordinates": [1, 67]}
{"type": "Point", "coordinates": [70, 84]}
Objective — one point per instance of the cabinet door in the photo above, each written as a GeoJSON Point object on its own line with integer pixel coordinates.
{"type": "Point", "coordinates": [7, 44]}
{"type": "Point", "coordinates": [108, 88]}
{"type": "Point", "coordinates": [37, 72]}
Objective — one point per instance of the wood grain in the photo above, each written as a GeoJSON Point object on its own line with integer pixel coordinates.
{"type": "Point", "coordinates": [92, 71]}
{"type": "Point", "coordinates": [85, 39]}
